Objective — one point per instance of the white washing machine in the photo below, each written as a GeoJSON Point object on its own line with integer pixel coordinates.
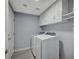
{"type": "Point", "coordinates": [45, 47]}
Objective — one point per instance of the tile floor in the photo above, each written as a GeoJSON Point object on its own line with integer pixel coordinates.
{"type": "Point", "coordinates": [23, 55]}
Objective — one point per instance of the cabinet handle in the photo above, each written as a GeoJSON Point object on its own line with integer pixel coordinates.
{"type": "Point", "coordinates": [9, 38]}
{"type": "Point", "coordinates": [6, 51]}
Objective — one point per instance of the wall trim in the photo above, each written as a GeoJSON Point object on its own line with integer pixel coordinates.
{"type": "Point", "coordinates": [17, 50]}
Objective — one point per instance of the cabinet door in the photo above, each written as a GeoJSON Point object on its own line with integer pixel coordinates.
{"type": "Point", "coordinates": [6, 28]}
{"type": "Point", "coordinates": [52, 14]}
{"type": "Point", "coordinates": [11, 33]}
{"type": "Point", "coordinates": [9, 30]}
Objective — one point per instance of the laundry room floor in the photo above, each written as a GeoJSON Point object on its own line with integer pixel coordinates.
{"type": "Point", "coordinates": [23, 55]}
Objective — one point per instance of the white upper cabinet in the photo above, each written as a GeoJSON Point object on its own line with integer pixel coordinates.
{"type": "Point", "coordinates": [52, 15]}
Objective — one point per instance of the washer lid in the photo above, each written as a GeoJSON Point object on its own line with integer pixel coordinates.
{"type": "Point", "coordinates": [44, 36]}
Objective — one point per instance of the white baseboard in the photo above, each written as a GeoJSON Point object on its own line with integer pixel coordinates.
{"type": "Point", "coordinates": [17, 50]}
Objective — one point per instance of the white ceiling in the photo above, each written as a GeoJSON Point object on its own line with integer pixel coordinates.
{"type": "Point", "coordinates": [34, 7]}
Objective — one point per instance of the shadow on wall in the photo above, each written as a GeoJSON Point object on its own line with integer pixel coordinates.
{"type": "Point", "coordinates": [61, 50]}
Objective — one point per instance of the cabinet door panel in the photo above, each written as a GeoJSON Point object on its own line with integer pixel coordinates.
{"type": "Point", "coordinates": [11, 33]}
{"type": "Point", "coordinates": [52, 14]}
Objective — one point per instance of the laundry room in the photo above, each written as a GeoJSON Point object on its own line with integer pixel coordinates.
{"type": "Point", "coordinates": [39, 29]}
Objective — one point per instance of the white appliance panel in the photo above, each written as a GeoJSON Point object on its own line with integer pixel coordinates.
{"type": "Point", "coordinates": [45, 47]}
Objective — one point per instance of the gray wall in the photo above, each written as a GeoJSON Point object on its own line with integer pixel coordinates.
{"type": "Point", "coordinates": [64, 31]}
{"type": "Point", "coordinates": [25, 26]}
{"type": "Point", "coordinates": [62, 26]}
